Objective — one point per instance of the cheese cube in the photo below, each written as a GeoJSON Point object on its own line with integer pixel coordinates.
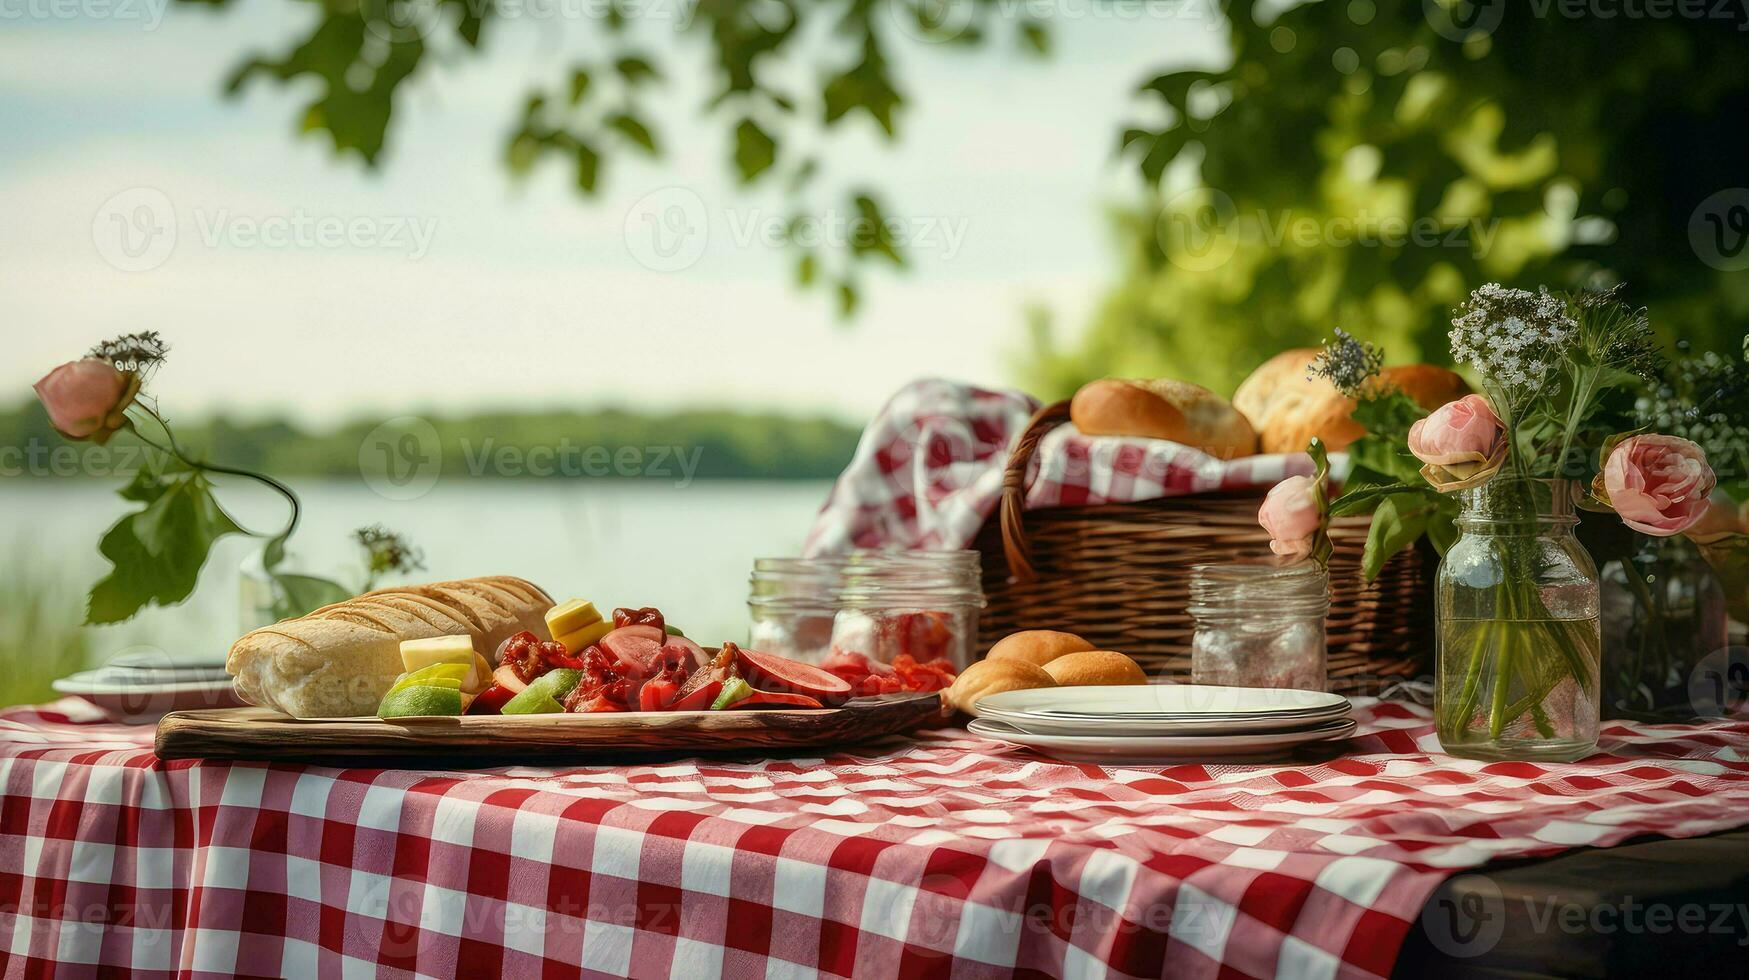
{"type": "Point", "coordinates": [419, 654]}
{"type": "Point", "coordinates": [581, 639]}
{"type": "Point", "coordinates": [571, 617]}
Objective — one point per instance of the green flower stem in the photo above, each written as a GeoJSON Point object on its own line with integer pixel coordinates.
{"type": "Point", "coordinates": [1650, 631]}
{"type": "Point", "coordinates": [1466, 705]}
{"type": "Point", "coordinates": [175, 449]}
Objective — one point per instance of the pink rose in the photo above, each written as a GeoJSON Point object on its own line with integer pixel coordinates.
{"type": "Point", "coordinates": [1290, 515]}
{"type": "Point", "coordinates": [1462, 444]}
{"type": "Point", "coordinates": [85, 399]}
{"type": "Point", "coordinates": [1658, 484]}
{"type": "Point", "coordinates": [1722, 519]}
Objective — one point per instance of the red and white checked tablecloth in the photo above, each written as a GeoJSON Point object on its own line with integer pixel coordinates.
{"type": "Point", "coordinates": [947, 856]}
{"type": "Point", "coordinates": [928, 470]}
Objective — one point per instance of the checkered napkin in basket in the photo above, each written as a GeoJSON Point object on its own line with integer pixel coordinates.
{"type": "Point", "coordinates": [947, 856]}
{"type": "Point", "coordinates": [928, 470]}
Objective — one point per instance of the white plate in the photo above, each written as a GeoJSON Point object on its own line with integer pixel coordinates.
{"type": "Point", "coordinates": [1110, 726]}
{"type": "Point", "coordinates": [1161, 709]}
{"type": "Point", "coordinates": [1152, 750]}
{"type": "Point", "coordinates": [145, 700]}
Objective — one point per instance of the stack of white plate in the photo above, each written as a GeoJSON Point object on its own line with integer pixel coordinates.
{"type": "Point", "coordinates": [141, 687]}
{"type": "Point", "coordinates": [1162, 722]}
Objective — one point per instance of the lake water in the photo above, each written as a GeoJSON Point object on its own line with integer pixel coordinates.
{"type": "Point", "coordinates": [685, 549]}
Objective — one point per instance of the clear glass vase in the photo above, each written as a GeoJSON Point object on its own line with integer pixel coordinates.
{"type": "Point", "coordinates": [1519, 644]}
{"type": "Point", "coordinates": [1663, 613]}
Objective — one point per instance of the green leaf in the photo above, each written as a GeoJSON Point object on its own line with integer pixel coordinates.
{"type": "Point", "coordinates": [579, 85]}
{"type": "Point", "coordinates": [634, 130]}
{"type": "Point", "coordinates": [588, 167]}
{"type": "Point", "coordinates": [1397, 523]}
{"type": "Point", "coordinates": [806, 269]}
{"type": "Point", "coordinates": [866, 86]}
{"type": "Point", "coordinates": [1036, 36]}
{"type": "Point", "coordinates": [755, 151]}
{"type": "Point", "coordinates": [636, 70]}
{"type": "Point", "coordinates": [524, 149]}
{"type": "Point", "coordinates": [157, 552]}
{"type": "Point", "coordinates": [1442, 527]}
{"type": "Point", "coordinates": [870, 235]}
{"type": "Point", "coordinates": [301, 594]}
{"type": "Point", "coordinates": [1321, 546]}
{"type": "Point", "coordinates": [1388, 414]}
{"type": "Point", "coordinates": [1362, 499]}
{"type": "Point", "coordinates": [1390, 458]}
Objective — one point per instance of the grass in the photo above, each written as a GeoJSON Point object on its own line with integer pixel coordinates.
{"type": "Point", "coordinates": [40, 635]}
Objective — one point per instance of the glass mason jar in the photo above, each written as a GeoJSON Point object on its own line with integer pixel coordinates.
{"type": "Point", "coordinates": [1517, 601]}
{"type": "Point", "coordinates": [873, 604]}
{"type": "Point", "coordinates": [1260, 626]}
{"type": "Point", "coordinates": [1663, 613]}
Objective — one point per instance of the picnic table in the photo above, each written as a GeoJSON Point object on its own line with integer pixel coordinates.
{"type": "Point", "coordinates": [943, 855]}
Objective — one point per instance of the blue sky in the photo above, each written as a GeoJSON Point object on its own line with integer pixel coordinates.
{"type": "Point", "coordinates": [444, 284]}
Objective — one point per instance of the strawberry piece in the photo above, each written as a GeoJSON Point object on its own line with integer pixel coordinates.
{"type": "Point", "coordinates": [647, 616]}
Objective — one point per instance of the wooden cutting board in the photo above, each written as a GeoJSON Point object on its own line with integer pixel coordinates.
{"type": "Point", "coordinates": [481, 740]}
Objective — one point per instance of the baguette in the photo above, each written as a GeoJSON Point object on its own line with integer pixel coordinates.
{"type": "Point", "coordinates": [340, 660]}
{"type": "Point", "coordinates": [1177, 411]}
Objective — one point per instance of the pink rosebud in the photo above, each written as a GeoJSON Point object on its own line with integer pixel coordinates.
{"type": "Point", "coordinates": [1462, 444]}
{"type": "Point", "coordinates": [85, 399]}
{"type": "Point", "coordinates": [1658, 484]}
{"type": "Point", "coordinates": [1290, 515]}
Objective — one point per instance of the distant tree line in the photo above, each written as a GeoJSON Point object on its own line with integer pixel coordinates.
{"type": "Point", "coordinates": [713, 445]}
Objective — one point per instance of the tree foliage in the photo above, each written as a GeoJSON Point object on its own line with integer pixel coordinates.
{"type": "Point", "coordinates": [1529, 147]}
{"type": "Point", "coordinates": [361, 53]}
{"type": "Point", "coordinates": [1354, 163]}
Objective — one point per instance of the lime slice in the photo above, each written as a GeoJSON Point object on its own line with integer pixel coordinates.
{"type": "Point", "coordinates": [439, 675]}
{"type": "Point", "coordinates": [420, 699]}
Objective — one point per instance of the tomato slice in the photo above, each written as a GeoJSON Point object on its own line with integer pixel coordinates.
{"type": "Point", "coordinates": [491, 700]}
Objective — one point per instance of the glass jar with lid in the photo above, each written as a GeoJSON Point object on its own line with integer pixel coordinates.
{"type": "Point", "coordinates": [1260, 625]}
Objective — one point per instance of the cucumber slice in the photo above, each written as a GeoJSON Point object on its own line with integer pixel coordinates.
{"type": "Point", "coordinates": [549, 688]}
{"type": "Point", "coordinates": [733, 691]}
{"type": "Point", "coordinates": [522, 704]}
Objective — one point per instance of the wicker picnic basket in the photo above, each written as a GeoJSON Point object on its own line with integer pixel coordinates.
{"type": "Point", "coordinates": [1119, 575]}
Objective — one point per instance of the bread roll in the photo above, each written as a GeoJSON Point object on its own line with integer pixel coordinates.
{"type": "Point", "coordinates": [340, 660]}
{"type": "Point", "coordinates": [1163, 409]}
{"type": "Point", "coordinates": [1038, 647]}
{"type": "Point", "coordinates": [987, 677]}
{"type": "Point", "coordinates": [1102, 667]}
{"type": "Point", "coordinates": [1288, 409]}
